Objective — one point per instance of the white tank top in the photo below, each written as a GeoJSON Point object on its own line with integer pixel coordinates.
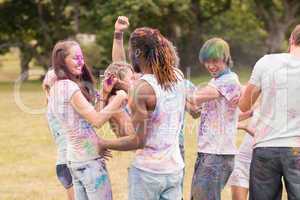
{"type": "Point", "coordinates": [161, 153]}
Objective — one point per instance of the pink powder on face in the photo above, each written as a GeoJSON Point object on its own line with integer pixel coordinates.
{"type": "Point", "coordinates": [79, 56]}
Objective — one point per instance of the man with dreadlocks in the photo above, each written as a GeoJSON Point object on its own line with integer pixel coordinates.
{"type": "Point", "coordinates": [157, 102]}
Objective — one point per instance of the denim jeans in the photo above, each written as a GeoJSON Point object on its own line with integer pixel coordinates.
{"type": "Point", "coordinates": [182, 151]}
{"type": "Point", "coordinates": [145, 185]}
{"type": "Point", "coordinates": [269, 165]}
{"type": "Point", "coordinates": [90, 180]}
{"type": "Point", "coordinates": [211, 175]}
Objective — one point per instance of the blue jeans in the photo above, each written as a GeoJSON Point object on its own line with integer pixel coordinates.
{"type": "Point", "coordinates": [268, 166]}
{"type": "Point", "coordinates": [90, 180]}
{"type": "Point", "coordinates": [211, 175]}
{"type": "Point", "coordinates": [145, 185]}
{"type": "Point", "coordinates": [182, 151]}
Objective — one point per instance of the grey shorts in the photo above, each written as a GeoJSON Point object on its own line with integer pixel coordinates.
{"type": "Point", "coordinates": [64, 175]}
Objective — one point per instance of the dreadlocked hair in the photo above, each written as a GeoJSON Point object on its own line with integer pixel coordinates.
{"type": "Point", "coordinates": [157, 54]}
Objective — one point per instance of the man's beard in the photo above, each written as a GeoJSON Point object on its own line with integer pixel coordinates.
{"type": "Point", "coordinates": [135, 64]}
{"type": "Point", "coordinates": [136, 68]}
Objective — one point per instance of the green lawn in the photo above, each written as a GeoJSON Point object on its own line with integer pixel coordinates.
{"type": "Point", "coordinates": [27, 151]}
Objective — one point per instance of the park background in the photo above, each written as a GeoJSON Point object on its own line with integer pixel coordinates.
{"type": "Point", "coordinates": [30, 28]}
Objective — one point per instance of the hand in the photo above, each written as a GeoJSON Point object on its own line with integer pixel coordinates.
{"type": "Point", "coordinates": [102, 150]}
{"type": "Point", "coordinates": [235, 100]}
{"type": "Point", "coordinates": [108, 84]}
{"type": "Point", "coordinates": [121, 24]}
{"type": "Point", "coordinates": [49, 79]}
{"type": "Point", "coordinates": [106, 154]}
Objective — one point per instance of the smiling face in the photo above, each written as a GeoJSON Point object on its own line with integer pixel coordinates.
{"type": "Point", "coordinates": [215, 67]}
{"type": "Point", "coordinates": [75, 60]}
{"type": "Point", "coordinates": [215, 56]}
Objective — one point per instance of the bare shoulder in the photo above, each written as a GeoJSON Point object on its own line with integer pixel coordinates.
{"type": "Point", "coordinates": [142, 87]}
{"type": "Point", "coordinates": [111, 98]}
{"type": "Point", "coordinates": [143, 93]}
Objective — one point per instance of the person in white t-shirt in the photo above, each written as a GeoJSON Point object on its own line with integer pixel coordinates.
{"type": "Point", "coordinates": [62, 171]}
{"type": "Point", "coordinates": [239, 179]}
{"type": "Point", "coordinates": [276, 153]}
{"type": "Point", "coordinates": [218, 124]}
{"type": "Point", "coordinates": [70, 104]}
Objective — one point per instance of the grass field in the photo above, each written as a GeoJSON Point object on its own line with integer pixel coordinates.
{"type": "Point", "coordinates": [27, 151]}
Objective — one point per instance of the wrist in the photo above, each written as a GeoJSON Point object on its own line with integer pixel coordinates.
{"type": "Point", "coordinates": [104, 144]}
{"type": "Point", "coordinates": [118, 35]}
{"type": "Point", "coordinates": [103, 95]}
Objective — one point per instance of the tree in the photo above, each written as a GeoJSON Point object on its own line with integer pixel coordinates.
{"type": "Point", "coordinates": [35, 28]}
{"type": "Point", "coordinates": [244, 32]}
{"type": "Point", "coordinates": [277, 16]}
{"type": "Point", "coordinates": [181, 21]}
{"type": "Point", "coordinates": [16, 30]}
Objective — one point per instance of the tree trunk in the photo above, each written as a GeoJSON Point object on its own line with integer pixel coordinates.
{"type": "Point", "coordinates": [76, 16]}
{"type": "Point", "coordinates": [25, 58]}
{"type": "Point", "coordinates": [275, 39]}
{"type": "Point", "coordinates": [189, 51]}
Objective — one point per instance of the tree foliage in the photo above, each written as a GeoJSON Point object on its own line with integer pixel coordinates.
{"type": "Point", "coordinates": [251, 27]}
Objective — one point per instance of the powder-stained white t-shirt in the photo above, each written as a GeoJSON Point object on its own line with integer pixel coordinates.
{"type": "Point", "coordinates": [278, 78]}
{"type": "Point", "coordinates": [219, 117]}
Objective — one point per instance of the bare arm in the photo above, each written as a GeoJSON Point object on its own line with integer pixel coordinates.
{"type": "Point", "coordinates": [121, 123]}
{"type": "Point", "coordinates": [138, 100]}
{"type": "Point", "coordinates": [204, 94]}
{"type": "Point", "coordinates": [245, 115]}
{"type": "Point", "coordinates": [85, 109]}
{"type": "Point", "coordinates": [249, 97]}
{"type": "Point", "coordinates": [101, 101]}
{"type": "Point", "coordinates": [193, 110]}
{"type": "Point", "coordinates": [118, 51]}
{"type": "Point", "coordinates": [106, 88]}
{"type": "Point", "coordinates": [48, 81]}
{"type": "Point", "coordinates": [246, 128]}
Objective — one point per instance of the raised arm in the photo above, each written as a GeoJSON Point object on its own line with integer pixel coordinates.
{"type": "Point", "coordinates": [118, 51]}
